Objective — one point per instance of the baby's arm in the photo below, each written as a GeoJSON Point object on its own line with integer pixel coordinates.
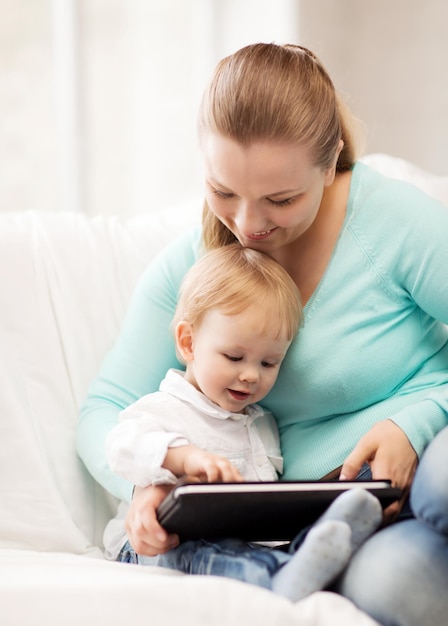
{"type": "Point", "coordinates": [144, 455]}
{"type": "Point", "coordinates": [191, 460]}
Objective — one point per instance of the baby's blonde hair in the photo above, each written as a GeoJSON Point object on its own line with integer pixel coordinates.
{"type": "Point", "coordinates": [232, 279]}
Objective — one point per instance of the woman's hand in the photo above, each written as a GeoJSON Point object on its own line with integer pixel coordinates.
{"type": "Point", "coordinates": [144, 532]}
{"type": "Point", "coordinates": [388, 451]}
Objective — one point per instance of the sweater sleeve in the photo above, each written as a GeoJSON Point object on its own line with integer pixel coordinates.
{"type": "Point", "coordinates": [418, 273]}
{"type": "Point", "coordinates": [423, 420]}
{"type": "Point", "coordinates": [138, 361]}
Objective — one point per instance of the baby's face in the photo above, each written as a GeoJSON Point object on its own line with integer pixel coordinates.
{"type": "Point", "coordinates": [236, 358]}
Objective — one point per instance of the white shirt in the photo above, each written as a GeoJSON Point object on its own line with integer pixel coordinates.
{"type": "Point", "coordinates": [179, 414]}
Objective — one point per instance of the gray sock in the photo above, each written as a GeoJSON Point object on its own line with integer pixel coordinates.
{"type": "Point", "coordinates": [360, 509]}
{"type": "Point", "coordinates": [323, 555]}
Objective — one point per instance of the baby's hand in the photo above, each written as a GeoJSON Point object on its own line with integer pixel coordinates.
{"type": "Point", "coordinates": [203, 465]}
{"type": "Point", "coordinates": [210, 467]}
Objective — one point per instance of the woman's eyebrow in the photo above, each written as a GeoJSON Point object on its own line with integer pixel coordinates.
{"type": "Point", "coordinates": [283, 193]}
{"type": "Point", "coordinates": [266, 195]}
{"type": "Point", "coordinates": [217, 183]}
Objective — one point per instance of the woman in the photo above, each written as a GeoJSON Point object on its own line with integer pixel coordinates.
{"type": "Point", "coordinates": [364, 387]}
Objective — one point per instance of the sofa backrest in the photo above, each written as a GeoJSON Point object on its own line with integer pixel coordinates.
{"type": "Point", "coordinates": [65, 280]}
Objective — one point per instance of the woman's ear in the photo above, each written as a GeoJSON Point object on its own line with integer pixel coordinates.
{"type": "Point", "coordinates": [184, 340]}
{"type": "Point", "coordinates": [330, 173]}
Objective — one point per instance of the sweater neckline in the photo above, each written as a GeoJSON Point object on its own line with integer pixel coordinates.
{"type": "Point", "coordinates": [353, 189]}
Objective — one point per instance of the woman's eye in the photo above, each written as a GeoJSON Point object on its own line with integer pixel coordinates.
{"type": "Point", "coordinates": [222, 194]}
{"type": "Point", "coordinates": [280, 202]}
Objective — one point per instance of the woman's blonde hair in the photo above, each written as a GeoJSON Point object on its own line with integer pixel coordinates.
{"type": "Point", "coordinates": [232, 279]}
{"type": "Point", "coordinates": [276, 93]}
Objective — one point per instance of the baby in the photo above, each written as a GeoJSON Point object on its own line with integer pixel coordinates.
{"type": "Point", "coordinates": [238, 312]}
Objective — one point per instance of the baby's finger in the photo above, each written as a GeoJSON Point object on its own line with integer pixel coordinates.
{"type": "Point", "coordinates": [229, 473]}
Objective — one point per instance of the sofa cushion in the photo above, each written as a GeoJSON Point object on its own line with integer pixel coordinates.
{"type": "Point", "coordinates": [74, 591]}
{"type": "Point", "coordinates": [65, 282]}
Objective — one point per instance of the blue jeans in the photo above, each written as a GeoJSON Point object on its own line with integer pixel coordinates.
{"type": "Point", "coordinates": [400, 575]}
{"type": "Point", "coordinates": [231, 558]}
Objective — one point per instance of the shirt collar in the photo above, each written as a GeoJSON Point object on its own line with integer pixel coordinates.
{"type": "Point", "coordinates": [175, 384]}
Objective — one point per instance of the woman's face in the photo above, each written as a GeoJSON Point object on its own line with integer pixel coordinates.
{"type": "Point", "coordinates": [267, 194]}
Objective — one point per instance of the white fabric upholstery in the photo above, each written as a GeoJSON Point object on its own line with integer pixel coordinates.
{"type": "Point", "coordinates": [40, 589]}
{"type": "Point", "coordinates": [394, 167]}
{"type": "Point", "coordinates": [65, 281]}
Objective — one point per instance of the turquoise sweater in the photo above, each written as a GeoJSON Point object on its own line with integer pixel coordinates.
{"type": "Point", "coordinates": [374, 344]}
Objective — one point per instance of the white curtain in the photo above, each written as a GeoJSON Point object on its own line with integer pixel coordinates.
{"type": "Point", "coordinates": [98, 98]}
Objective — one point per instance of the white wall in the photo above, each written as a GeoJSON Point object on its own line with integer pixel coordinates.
{"type": "Point", "coordinates": [391, 58]}
{"type": "Point", "coordinates": [123, 139]}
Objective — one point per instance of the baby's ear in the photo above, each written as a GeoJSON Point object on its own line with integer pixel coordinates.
{"type": "Point", "coordinates": [184, 340]}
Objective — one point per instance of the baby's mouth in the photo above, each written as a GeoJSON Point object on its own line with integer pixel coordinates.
{"type": "Point", "coordinates": [239, 395]}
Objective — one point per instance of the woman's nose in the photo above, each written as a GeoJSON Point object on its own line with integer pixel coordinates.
{"type": "Point", "coordinates": [247, 218]}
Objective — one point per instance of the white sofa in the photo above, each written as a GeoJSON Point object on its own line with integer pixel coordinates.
{"type": "Point", "coordinates": [65, 281]}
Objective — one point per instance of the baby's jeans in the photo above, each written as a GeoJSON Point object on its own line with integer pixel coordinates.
{"type": "Point", "coordinates": [232, 558]}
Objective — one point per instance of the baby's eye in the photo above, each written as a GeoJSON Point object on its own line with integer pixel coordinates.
{"type": "Point", "coordinates": [266, 364]}
{"type": "Point", "coordinates": [233, 358]}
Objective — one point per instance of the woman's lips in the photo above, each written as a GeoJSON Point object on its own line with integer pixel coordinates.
{"type": "Point", "coordinates": [263, 234]}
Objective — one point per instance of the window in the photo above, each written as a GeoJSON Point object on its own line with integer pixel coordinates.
{"type": "Point", "coordinates": [98, 99]}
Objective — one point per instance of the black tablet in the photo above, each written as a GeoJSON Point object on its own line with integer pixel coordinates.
{"type": "Point", "coordinates": [263, 511]}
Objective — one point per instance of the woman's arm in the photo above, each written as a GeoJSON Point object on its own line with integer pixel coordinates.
{"type": "Point", "coordinates": [415, 271]}
{"type": "Point", "coordinates": [138, 361]}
